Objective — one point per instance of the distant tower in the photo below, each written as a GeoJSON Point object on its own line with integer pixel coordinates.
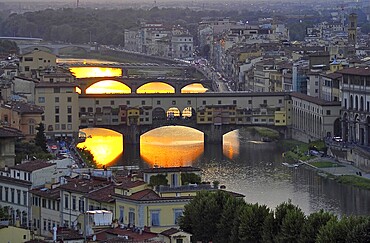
{"type": "Point", "coordinates": [352, 29]}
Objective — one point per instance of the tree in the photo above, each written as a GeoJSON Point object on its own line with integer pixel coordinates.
{"type": "Point", "coordinates": [187, 178]}
{"type": "Point", "coordinates": [203, 213]}
{"type": "Point", "coordinates": [158, 180]}
{"type": "Point", "coordinates": [226, 227]}
{"type": "Point", "coordinates": [252, 219]}
{"type": "Point", "coordinates": [337, 231]}
{"type": "Point", "coordinates": [313, 224]}
{"type": "Point", "coordinates": [291, 226]}
{"type": "Point", "coordinates": [40, 139]}
{"type": "Point", "coordinates": [360, 233]}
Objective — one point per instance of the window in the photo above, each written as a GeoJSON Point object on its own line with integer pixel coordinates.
{"type": "Point", "coordinates": [177, 214]}
{"type": "Point", "coordinates": [112, 102]}
{"type": "Point", "coordinates": [96, 102]}
{"type": "Point", "coordinates": [74, 203]}
{"type": "Point", "coordinates": [41, 99]}
{"type": "Point", "coordinates": [26, 68]}
{"type": "Point", "coordinates": [56, 109]}
{"type": "Point", "coordinates": [179, 241]}
{"type": "Point", "coordinates": [328, 112]}
{"type": "Point", "coordinates": [6, 194]}
{"type": "Point", "coordinates": [44, 224]}
{"type": "Point", "coordinates": [56, 99]}
{"type": "Point", "coordinates": [121, 214]}
{"type": "Point", "coordinates": [154, 215]}
{"type": "Point", "coordinates": [69, 109]}
{"type": "Point", "coordinates": [69, 99]}
{"type": "Point", "coordinates": [66, 199]}
{"type": "Point", "coordinates": [280, 101]}
{"type": "Point", "coordinates": [44, 203]}
{"type": "Point", "coordinates": [143, 102]}
{"type": "Point", "coordinates": [131, 216]}
{"type": "Point", "coordinates": [81, 205]}
{"type": "Point", "coordinates": [234, 102]}
{"type": "Point", "coordinates": [56, 90]}
{"type": "Point", "coordinates": [1, 193]}
{"type": "Point", "coordinates": [69, 118]}
{"type": "Point", "coordinates": [158, 102]}
{"type": "Point", "coordinates": [127, 102]}
{"type": "Point", "coordinates": [174, 102]}
{"type": "Point", "coordinates": [249, 102]}
{"type": "Point", "coordinates": [28, 59]}
{"type": "Point", "coordinates": [19, 197]}
{"type": "Point", "coordinates": [219, 102]}
{"type": "Point", "coordinates": [12, 195]}
{"type": "Point", "coordinates": [204, 102]}
{"type": "Point", "coordinates": [56, 119]}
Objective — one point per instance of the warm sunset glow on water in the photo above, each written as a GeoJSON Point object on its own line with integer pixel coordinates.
{"type": "Point", "coordinates": [171, 146]}
{"type": "Point", "coordinates": [194, 88]}
{"type": "Point", "coordinates": [155, 87]}
{"type": "Point", "coordinates": [105, 145]}
{"type": "Point", "coordinates": [90, 72]}
{"type": "Point", "coordinates": [231, 144]}
{"type": "Point", "coordinates": [108, 87]}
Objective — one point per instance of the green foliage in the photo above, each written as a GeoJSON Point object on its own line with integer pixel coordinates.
{"type": "Point", "coordinates": [312, 225]}
{"type": "Point", "coordinates": [158, 180]}
{"type": "Point", "coordinates": [339, 230]}
{"type": "Point", "coordinates": [40, 139]}
{"type": "Point", "coordinates": [86, 156]}
{"type": "Point", "coordinates": [24, 150]}
{"type": "Point", "coordinates": [220, 217]}
{"type": "Point", "coordinates": [8, 47]}
{"type": "Point", "coordinates": [4, 212]}
{"type": "Point", "coordinates": [187, 178]}
{"type": "Point", "coordinates": [354, 180]}
{"type": "Point", "coordinates": [252, 219]}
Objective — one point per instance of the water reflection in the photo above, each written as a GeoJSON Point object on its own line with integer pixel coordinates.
{"type": "Point", "coordinates": [104, 144]}
{"type": "Point", "coordinates": [90, 72]}
{"type": "Point", "coordinates": [171, 146]}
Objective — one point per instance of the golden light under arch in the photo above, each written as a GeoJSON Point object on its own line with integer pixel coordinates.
{"type": "Point", "coordinates": [178, 146]}
{"type": "Point", "coordinates": [173, 112]}
{"type": "Point", "coordinates": [155, 88]}
{"type": "Point", "coordinates": [108, 87]}
{"type": "Point", "coordinates": [104, 144]}
{"type": "Point", "coordinates": [91, 72]}
{"type": "Point", "coordinates": [194, 88]}
{"type": "Point", "coordinates": [231, 144]}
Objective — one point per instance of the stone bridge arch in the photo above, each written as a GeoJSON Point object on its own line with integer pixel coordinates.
{"type": "Point", "coordinates": [136, 87]}
{"type": "Point", "coordinates": [96, 86]}
{"type": "Point", "coordinates": [204, 85]}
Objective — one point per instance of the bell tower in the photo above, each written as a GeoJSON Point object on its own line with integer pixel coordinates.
{"type": "Point", "coordinates": [352, 29]}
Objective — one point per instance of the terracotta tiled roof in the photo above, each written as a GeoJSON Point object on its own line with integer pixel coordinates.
{"type": "Point", "coordinates": [47, 193]}
{"type": "Point", "coordinates": [146, 194]}
{"type": "Point", "coordinates": [132, 236]}
{"type": "Point", "coordinates": [8, 132]}
{"type": "Point", "coordinates": [84, 185]}
{"type": "Point", "coordinates": [360, 71]}
{"type": "Point", "coordinates": [13, 181]}
{"type": "Point", "coordinates": [171, 169]}
{"type": "Point", "coordinates": [170, 232]}
{"type": "Point", "coordinates": [32, 166]}
{"type": "Point", "coordinates": [315, 100]}
{"type": "Point", "coordinates": [332, 75]}
{"type": "Point", "coordinates": [23, 107]}
{"type": "Point", "coordinates": [127, 184]}
{"type": "Point", "coordinates": [103, 194]}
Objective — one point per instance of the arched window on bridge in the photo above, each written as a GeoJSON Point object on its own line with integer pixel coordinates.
{"type": "Point", "coordinates": [187, 113]}
{"type": "Point", "coordinates": [108, 87]}
{"type": "Point", "coordinates": [194, 88]}
{"type": "Point", "coordinates": [173, 113]}
{"type": "Point", "coordinates": [155, 88]}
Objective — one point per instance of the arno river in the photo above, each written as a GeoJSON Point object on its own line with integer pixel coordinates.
{"type": "Point", "coordinates": [243, 165]}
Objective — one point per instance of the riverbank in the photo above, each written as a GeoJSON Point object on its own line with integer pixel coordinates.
{"type": "Point", "coordinates": [344, 173]}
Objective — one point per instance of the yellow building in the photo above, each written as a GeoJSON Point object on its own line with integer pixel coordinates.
{"type": "Point", "coordinates": [60, 104]}
{"type": "Point", "coordinates": [22, 116]}
{"type": "Point", "coordinates": [133, 114]}
{"type": "Point", "coordinates": [11, 234]}
{"type": "Point", "coordinates": [31, 63]}
{"type": "Point", "coordinates": [8, 136]}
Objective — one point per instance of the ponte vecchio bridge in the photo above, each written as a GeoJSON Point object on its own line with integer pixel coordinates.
{"type": "Point", "coordinates": [214, 114]}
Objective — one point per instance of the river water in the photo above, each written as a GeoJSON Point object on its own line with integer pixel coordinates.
{"type": "Point", "coordinates": [243, 165]}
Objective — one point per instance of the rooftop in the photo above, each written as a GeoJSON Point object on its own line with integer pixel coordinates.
{"type": "Point", "coordinates": [315, 100]}
{"type": "Point", "coordinates": [360, 71]}
{"type": "Point", "coordinates": [31, 166]}
{"type": "Point", "coordinates": [171, 169]}
{"type": "Point", "coordinates": [8, 132]}
{"type": "Point", "coordinates": [23, 107]}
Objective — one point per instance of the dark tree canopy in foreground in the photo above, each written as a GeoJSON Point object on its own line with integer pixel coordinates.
{"type": "Point", "coordinates": [221, 217]}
